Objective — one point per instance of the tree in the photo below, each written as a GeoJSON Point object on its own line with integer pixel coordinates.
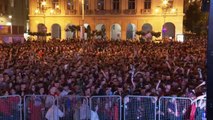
{"type": "Point", "coordinates": [74, 29]}
{"type": "Point", "coordinates": [40, 35]}
{"type": "Point", "coordinates": [194, 19]}
{"type": "Point", "coordinates": [204, 23]}
{"type": "Point", "coordinates": [143, 34]}
{"type": "Point", "coordinates": [101, 33]}
{"type": "Point", "coordinates": [156, 34]}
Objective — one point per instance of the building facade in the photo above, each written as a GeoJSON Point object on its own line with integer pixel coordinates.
{"type": "Point", "coordinates": [120, 18]}
{"type": "Point", "coordinates": [13, 16]}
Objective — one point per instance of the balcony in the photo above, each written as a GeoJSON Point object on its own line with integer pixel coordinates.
{"type": "Point", "coordinates": [100, 12]}
{"type": "Point", "coordinates": [115, 12]}
{"type": "Point", "coordinates": [130, 11]}
{"type": "Point", "coordinates": [71, 12]}
{"type": "Point", "coordinates": [166, 11]}
{"type": "Point", "coordinates": [55, 12]}
{"type": "Point", "coordinates": [146, 11]}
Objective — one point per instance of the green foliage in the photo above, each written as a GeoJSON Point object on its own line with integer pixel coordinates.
{"type": "Point", "coordinates": [194, 20]}
{"type": "Point", "coordinates": [73, 28]}
{"type": "Point", "coordinates": [156, 34]}
{"type": "Point", "coordinates": [101, 32]}
{"type": "Point", "coordinates": [39, 34]}
{"type": "Point", "coordinates": [142, 34]}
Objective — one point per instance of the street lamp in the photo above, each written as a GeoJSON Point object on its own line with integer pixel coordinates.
{"type": "Point", "coordinates": [82, 25]}
{"type": "Point", "coordinates": [36, 11]}
{"type": "Point", "coordinates": [43, 3]}
{"type": "Point", "coordinates": [43, 7]}
{"type": "Point", "coordinates": [11, 24]}
{"type": "Point", "coordinates": [165, 2]}
{"type": "Point", "coordinates": [164, 8]}
{"type": "Point", "coordinates": [43, 10]}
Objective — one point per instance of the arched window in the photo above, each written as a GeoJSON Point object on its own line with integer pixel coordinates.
{"type": "Point", "coordinates": [115, 32]}
{"type": "Point", "coordinates": [116, 5]}
{"type": "Point", "coordinates": [70, 5]}
{"type": "Point", "coordinates": [56, 31]}
{"type": "Point", "coordinates": [131, 4]}
{"type": "Point", "coordinates": [147, 4]}
{"type": "Point", "coordinates": [41, 28]}
{"type": "Point", "coordinates": [100, 5]}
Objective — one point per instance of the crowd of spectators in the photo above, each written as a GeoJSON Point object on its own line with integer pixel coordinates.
{"type": "Point", "coordinates": [97, 67]}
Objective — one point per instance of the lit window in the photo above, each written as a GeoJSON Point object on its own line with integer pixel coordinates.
{"type": "Point", "coordinates": [131, 4]}
{"type": "Point", "coordinates": [70, 4]}
{"type": "Point", "coordinates": [147, 4]}
{"type": "Point", "coordinates": [55, 4]}
{"type": "Point", "coordinates": [115, 5]}
{"type": "Point", "coordinates": [170, 2]}
{"type": "Point", "coordinates": [100, 5]}
{"type": "Point", "coordinates": [86, 4]}
{"type": "Point", "coordinates": [39, 3]}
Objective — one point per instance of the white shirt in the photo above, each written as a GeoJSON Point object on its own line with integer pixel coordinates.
{"type": "Point", "coordinates": [94, 115]}
{"type": "Point", "coordinates": [54, 113]}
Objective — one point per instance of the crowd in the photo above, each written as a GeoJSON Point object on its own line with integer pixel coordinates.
{"type": "Point", "coordinates": [91, 68]}
{"type": "Point", "coordinates": [97, 67]}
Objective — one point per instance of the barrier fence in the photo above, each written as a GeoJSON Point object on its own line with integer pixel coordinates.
{"type": "Point", "coordinates": [174, 108]}
{"type": "Point", "coordinates": [74, 107]}
{"type": "Point", "coordinates": [105, 107]}
{"type": "Point", "coordinates": [140, 108]}
{"type": "Point", "coordinates": [46, 107]}
{"type": "Point", "coordinates": [10, 108]}
{"type": "Point", "coordinates": [199, 108]}
{"type": "Point", "coordinates": [37, 106]}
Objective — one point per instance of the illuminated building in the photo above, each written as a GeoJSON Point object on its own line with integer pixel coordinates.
{"type": "Point", "coordinates": [121, 18]}
{"type": "Point", "coordinates": [13, 16]}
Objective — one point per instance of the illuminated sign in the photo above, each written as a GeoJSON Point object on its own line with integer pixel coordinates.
{"type": "Point", "coordinates": [180, 38]}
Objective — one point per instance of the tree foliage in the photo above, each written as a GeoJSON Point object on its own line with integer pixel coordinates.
{"type": "Point", "coordinates": [195, 21]}
{"type": "Point", "coordinates": [73, 28]}
{"type": "Point", "coordinates": [155, 34]}
{"type": "Point", "coordinates": [143, 38]}
{"type": "Point", "coordinates": [39, 34]}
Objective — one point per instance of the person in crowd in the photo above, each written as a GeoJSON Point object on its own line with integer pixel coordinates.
{"type": "Point", "coordinates": [36, 109]}
{"type": "Point", "coordinates": [54, 113]}
{"type": "Point", "coordinates": [94, 114]}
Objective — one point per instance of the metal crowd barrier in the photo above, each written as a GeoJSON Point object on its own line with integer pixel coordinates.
{"type": "Point", "coordinates": [36, 107]}
{"type": "Point", "coordinates": [10, 107]}
{"type": "Point", "coordinates": [140, 108]}
{"type": "Point", "coordinates": [174, 108]}
{"type": "Point", "coordinates": [105, 107]}
{"type": "Point", "coordinates": [74, 107]}
{"type": "Point", "coordinates": [200, 113]}
{"type": "Point", "coordinates": [46, 107]}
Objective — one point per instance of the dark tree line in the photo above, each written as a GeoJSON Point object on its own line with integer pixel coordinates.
{"type": "Point", "coordinates": [195, 20]}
